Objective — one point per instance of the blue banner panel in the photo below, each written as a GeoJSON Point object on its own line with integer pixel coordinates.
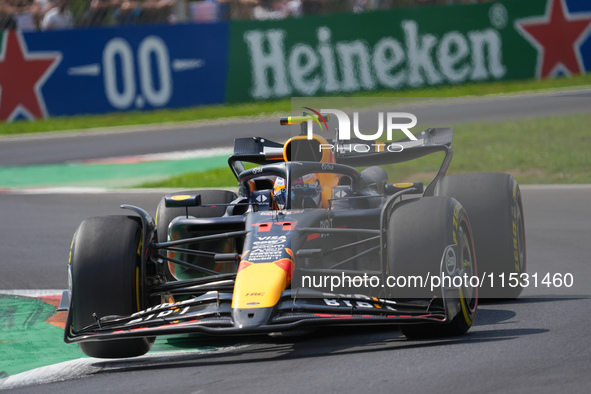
{"type": "Point", "coordinates": [581, 10]}
{"type": "Point", "coordinates": [91, 71]}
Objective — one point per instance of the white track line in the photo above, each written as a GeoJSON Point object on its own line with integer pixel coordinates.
{"type": "Point", "coordinates": [103, 190]}
{"type": "Point", "coordinates": [32, 292]}
{"type": "Point", "coordinates": [79, 368]}
{"type": "Point", "coordinates": [144, 128]}
{"type": "Point", "coordinates": [167, 156]}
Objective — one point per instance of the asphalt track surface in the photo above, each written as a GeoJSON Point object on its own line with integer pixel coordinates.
{"type": "Point", "coordinates": [539, 343]}
{"type": "Point", "coordinates": [64, 147]}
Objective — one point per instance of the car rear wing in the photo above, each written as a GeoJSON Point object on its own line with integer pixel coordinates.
{"type": "Point", "coordinates": [360, 153]}
{"type": "Point", "coordinates": [354, 152]}
{"type": "Point", "coordinates": [428, 141]}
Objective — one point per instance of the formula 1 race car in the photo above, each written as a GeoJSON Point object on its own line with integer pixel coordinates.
{"type": "Point", "coordinates": [309, 240]}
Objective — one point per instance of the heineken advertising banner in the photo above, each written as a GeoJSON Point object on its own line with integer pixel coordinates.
{"type": "Point", "coordinates": [171, 66]}
{"type": "Point", "coordinates": [408, 48]}
{"type": "Point", "coordinates": [89, 71]}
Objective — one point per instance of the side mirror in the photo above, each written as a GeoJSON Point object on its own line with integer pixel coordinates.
{"type": "Point", "coordinates": [396, 187]}
{"type": "Point", "coordinates": [182, 200]}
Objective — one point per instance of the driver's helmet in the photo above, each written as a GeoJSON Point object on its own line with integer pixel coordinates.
{"type": "Point", "coordinates": [306, 192]}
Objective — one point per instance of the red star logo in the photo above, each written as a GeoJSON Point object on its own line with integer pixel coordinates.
{"type": "Point", "coordinates": [22, 74]}
{"type": "Point", "coordinates": [557, 37]}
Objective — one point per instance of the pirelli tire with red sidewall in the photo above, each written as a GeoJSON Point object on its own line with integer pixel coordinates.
{"type": "Point", "coordinates": [105, 275]}
{"type": "Point", "coordinates": [493, 202]}
{"type": "Point", "coordinates": [431, 236]}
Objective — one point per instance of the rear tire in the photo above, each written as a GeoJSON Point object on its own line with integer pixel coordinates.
{"type": "Point", "coordinates": [419, 233]}
{"type": "Point", "coordinates": [105, 265]}
{"type": "Point", "coordinates": [493, 202]}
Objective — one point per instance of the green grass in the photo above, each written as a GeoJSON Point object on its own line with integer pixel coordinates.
{"type": "Point", "coordinates": [541, 150]}
{"type": "Point", "coordinates": [206, 113]}
{"type": "Point", "coordinates": [221, 177]}
{"type": "Point", "coordinates": [538, 151]}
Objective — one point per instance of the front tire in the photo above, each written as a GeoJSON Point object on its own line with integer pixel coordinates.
{"type": "Point", "coordinates": [105, 276]}
{"type": "Point", "coordinates": [420, 232]}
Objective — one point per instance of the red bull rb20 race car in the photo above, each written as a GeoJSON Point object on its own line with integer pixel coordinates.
{"type": "Point", "coordinates": [308, 241]}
